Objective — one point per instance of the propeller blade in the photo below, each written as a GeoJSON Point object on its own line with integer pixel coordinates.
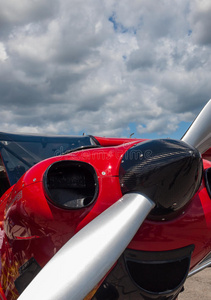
{"type": "Point", "coordinates": [85, 259]}
{"type": "Point", "coordinates": [199, 133]}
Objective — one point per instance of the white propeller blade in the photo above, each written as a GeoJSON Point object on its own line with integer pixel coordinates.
{"type": "Point", "coordinates": [199, 134]}
{"type": "Point", "coordinates": [87, 257]}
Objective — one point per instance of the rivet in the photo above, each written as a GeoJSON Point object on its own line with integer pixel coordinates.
{"type": "Point", "coordinates": [103, 173]}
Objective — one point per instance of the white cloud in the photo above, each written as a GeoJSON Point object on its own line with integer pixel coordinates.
{"type": "Point", "coordinates": [26, 11]}
{"type": "Point", "coordinates": [200, 21]}
{"type": "Point", "coordinates": [96, 67]}
{"type": "Point", "coordinates": [3, 53]}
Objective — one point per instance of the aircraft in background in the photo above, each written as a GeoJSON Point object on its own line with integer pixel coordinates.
{"type": "Point", "coordinates": [104, 218]}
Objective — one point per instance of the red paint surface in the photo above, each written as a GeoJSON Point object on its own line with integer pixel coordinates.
{"type": "Point", "coordinates": [36, 228]}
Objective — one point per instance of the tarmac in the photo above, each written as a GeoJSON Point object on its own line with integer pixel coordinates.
{"type": "Point", "coordinates": [198, 287]}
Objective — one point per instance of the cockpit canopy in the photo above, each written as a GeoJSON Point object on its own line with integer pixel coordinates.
{"type": "Point", "coordinates": [19, 152]}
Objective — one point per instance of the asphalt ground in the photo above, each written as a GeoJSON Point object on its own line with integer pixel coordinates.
{"type": "Point", "coordinates": [198, 287]}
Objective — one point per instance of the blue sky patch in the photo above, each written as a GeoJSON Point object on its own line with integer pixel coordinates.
{"type": "Point", "coordinates": [119, 27]}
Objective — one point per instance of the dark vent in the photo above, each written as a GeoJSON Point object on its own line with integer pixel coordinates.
{"type": "Point", "coordinates": [157, 273]}
{"type": "Point", "coordinates": [71, 184]}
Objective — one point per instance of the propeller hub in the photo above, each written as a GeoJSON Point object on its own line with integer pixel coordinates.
{"type": "Point", "coordinates": [167, 171]}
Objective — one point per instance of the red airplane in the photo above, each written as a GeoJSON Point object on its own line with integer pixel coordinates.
{"type": "Point", "coordinates": [104, 218]}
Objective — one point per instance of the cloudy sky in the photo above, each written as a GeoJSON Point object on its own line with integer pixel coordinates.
{"type": "Point", "coordinates": [104, 67]}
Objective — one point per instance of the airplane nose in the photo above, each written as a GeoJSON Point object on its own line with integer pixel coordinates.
{"type": "Point", "coordinates": [167, 171]}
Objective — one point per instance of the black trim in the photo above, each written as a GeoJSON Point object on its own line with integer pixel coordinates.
{"type": "Point", "coordinates": [81, 148]}
{"type": "Point", "coordinates": [152, 256]}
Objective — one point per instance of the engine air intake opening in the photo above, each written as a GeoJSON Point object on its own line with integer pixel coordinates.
{"type": "Point", "coordinates": [71, 184]}
{"type": "Point", "coordinates": [158, 277]}
{"type": "Point", "coordinates": [158, 273]}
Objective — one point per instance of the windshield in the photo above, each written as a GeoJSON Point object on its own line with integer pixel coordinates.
{"type": "Point", "coordinates": [21, 152]}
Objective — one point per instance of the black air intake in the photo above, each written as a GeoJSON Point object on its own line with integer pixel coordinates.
{"type": "Point", "coordinates": [157, 275]}
{"type": "Point", "coordinates": [71, 184]}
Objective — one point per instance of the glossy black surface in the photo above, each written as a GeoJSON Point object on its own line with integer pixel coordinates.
{"type": "Point", "coordinates": [167, 171]}
{"type": "Point", "coordinates": [147, 275]}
